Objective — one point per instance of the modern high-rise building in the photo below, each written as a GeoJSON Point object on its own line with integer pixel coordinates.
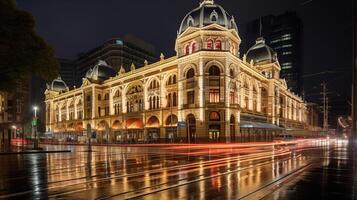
{"type": "Point", "coordinates": [116, 52]}
{"type": "Point", "coordinates": [283, 33]}
{"type": "Point", "coordinates": [68, 71]}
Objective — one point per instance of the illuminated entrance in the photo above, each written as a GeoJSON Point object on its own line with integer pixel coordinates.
{"type": "Point", "coordinates": [214, 129]}
{"type": "Point", "coordinates": [171, 128]}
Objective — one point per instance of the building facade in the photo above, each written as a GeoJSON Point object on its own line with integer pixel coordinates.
{"type": "Point", "coordinates": [116, 52]}
{"type": "Point", "coordinates": [206, 93]}
{"type": "Point", "coordinates": [283, 33]}
{"type": "Point", "coordinates": [13, 113]}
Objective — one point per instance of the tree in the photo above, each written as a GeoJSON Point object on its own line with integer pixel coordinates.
{"type": "Point", "coordinates": [22, 52]}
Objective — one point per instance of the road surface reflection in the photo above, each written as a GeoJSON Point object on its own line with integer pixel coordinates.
{"type": "Point", "coordinates": [212, 171]}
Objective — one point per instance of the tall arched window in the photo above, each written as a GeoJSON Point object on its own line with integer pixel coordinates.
{"type": "Point", "coordinates": [218, 45]}
{"type": "Point", "coordinates": [174, 79]}
{"type": "Point", "coordinates": [157, 102]}
{"type": "Point", "coordinates": [174, 99]}
{"type": "Point", "coordinates": [190, 73]}
{"type": "Point", "coordinates": [214, 71]}
{"type": "Point", "coordinates": [214, 83]}
{"type": "Point", "coordinates": [169, 100]}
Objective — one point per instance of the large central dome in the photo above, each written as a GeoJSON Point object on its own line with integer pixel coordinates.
{"type": "Point", "coordinates": [206, 14]}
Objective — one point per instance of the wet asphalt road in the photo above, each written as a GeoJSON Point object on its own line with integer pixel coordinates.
{"type": "Point", "coordinates": [213, 171]}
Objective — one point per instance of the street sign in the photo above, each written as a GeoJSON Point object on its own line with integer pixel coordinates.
{"type": "Point", "coordinates": [181, 124]}
{"type": "Point", "coordinates": [34, 122]}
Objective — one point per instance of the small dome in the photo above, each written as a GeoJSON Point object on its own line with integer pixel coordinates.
{"type": "Point", "coordinates": [261, 53]}
{"type": "Point", "coordinates": [206, 14]}
{"type": "Point", "coordinates": [100, 72]}
{"type": "Point", "coordinates": [58, 85]}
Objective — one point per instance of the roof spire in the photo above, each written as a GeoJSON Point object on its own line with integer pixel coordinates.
{"type": "Point", "coordinates": [260, 27]}
{"type": "Point", "coordinates": [202, 2]}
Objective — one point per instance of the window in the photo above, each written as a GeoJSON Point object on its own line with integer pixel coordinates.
{"type": "Point", "coordinates": [214, 71]}
{"type": "Point", "coordinates": [174, 81]}
{"type": "Point", "coordinates": [193, 47]}
{"type": "Point", "coordinates": [232, 97]}
{"type": "Point", "coordinates": [174, 100]}
{"type": "Point", "coordinates": [169, 100]}
{"type": "Point", "coordinates": [218, 45]}
{"type": "Point", "coordinates": [187, 49]}
{"type": "Point", "coordinates": [210, 44]}
{"type": "Point", "coordinates": [99, 97]}
{"type": "Point", "coordinates": [190, 73]}
{"type": "Point", "coordinates": [191, 97]}
{"type": "Point", "coordinates": [231, 73]}
{"type": "Point", "coordinates": [214, 95]}
{"type": "Point", "coordinates": [99, 112]}
{"type": "Point", "coordinates": [214, 116]}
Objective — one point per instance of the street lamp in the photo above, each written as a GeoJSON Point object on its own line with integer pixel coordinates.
{"type": "Point", "coordinates": [34, 127]}
{"type": "Point", "coordinates": [35, 108]}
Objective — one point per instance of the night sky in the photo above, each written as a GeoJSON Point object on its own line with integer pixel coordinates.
{"type": "Point", "coordinates": [80, 25]}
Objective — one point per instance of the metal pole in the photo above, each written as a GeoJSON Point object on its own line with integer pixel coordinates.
{"type": "Point", "coordinates": [354, 72]}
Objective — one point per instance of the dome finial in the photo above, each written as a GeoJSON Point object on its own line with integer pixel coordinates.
{"type": "Point", "coordinates": [202, 2]}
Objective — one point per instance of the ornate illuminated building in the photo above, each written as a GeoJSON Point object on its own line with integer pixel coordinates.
{"type": "Point", "coordinates": [206, 93]}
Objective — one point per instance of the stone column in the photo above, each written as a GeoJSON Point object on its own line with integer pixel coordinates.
{"type": "Point", "coordinates": [111, 102]}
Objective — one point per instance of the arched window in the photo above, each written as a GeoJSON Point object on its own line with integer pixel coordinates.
{"type": "Point", "coordinates": [99, 97]}
{"type": "Point", "coordinates": [169, 100]}
{"type": "Point", "coordinates": [170, 81]}
{"type": "Point", "coordinates": [187, 49]}
{"type": "Point", "coordinates": [106, 96]}
{"type": "Point", "coordinates": [214, 116]}
{"type": "Point", "coordinates": [210, 44]}
{"type": "Point", "coordinates": [231, 72]}
{"type": "Point", "coordinates": [214, 71]}
{"type": "Point", "coordinates": [153, 102]}
{"type": "Point", "coordinates": [174, 100]}
{"type": "Point", "coordinates": [190, 73]}
{"type": "Point", "coordinates": [174, 79]}
{"type": "Point", "coordinates": [214, 16]}
{"type": "Point", "coordinates": [218, 45]}
{"type": "Point", "coordinates": [150, 101]}
{"type": "Point", "coordinates": [157, 102]}
{"type": "Point", "coordinates": [190, 21]}
{"type": "Point", "coordinates": [193, 47]}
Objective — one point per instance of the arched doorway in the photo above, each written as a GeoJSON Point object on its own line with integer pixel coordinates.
{"type": "Point", "coordinates": [171, 128]}
{"type": "Point", "coordinates": [103, 133]}
{"type": "Point", "coordinates": [153, 125]}
{"type": "Point", "coordinates": [214, 129]}
{"type": "Point", "coordinates": [233, 128]}
{"type": "Point", "coordinates": [191, 128]}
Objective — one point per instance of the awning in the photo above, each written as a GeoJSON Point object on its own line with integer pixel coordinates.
{"type": "Point", "coordinates": [259, 125]}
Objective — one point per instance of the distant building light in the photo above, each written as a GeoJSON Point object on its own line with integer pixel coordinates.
{"type": "Point", "coordinates": [119, 42]}
{"type": "Point", "coordinates": [287, 53]}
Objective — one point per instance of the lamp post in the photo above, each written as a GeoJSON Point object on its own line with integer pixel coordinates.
{"type": "Point", "coordinates": [34, 127]}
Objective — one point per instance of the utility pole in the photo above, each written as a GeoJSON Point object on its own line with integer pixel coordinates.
{"type": "Point", "coordinates": [325, 106]}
